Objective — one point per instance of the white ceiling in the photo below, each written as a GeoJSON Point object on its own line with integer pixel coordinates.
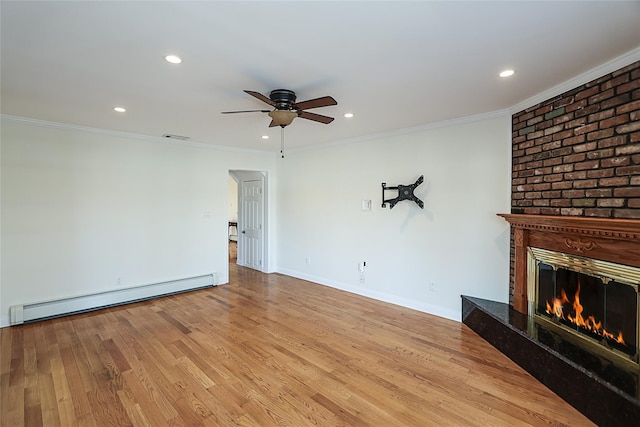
{"type": "Point", "coordinates": [393, 64]}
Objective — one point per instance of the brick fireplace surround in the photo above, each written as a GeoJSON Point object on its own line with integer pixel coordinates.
{"type": "Point", "coordinates": [578, 154]}
{"type": "Point", "coordinates": [575, 168]}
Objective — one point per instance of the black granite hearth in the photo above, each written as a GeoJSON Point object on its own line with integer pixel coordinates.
{"type": "Point", "coordinates": [607, 395]}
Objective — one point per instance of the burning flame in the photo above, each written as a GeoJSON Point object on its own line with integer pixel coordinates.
{"type": "Point", "coordinates": [555, 308]}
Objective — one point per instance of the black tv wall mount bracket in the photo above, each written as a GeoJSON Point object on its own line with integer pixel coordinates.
{"type": "Point", "coordinates": [405, 192]}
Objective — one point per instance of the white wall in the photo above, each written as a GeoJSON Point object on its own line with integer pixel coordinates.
{"type": "Point", "coordinates": [82, 209]}
{"type": "Point", "coordinates": [457, 241]}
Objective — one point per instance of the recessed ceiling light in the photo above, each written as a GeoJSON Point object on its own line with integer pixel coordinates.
{"type": "Point", "coordinates": [173, 59]}
{"type": "Point", "coordinates": [507, 73]}
{"type": "Point", "coordinates": [119, 109]}
{"type": "Point", "coordinates": [265, 136]}
{"type": "Point", "coordinates": [348, 115]}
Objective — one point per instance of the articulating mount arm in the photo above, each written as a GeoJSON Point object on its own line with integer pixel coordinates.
{"type": "Point", "coordinates": [405, 192]}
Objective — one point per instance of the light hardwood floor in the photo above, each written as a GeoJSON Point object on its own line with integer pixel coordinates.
{"type": "Point", "coordinates": [264, 350]}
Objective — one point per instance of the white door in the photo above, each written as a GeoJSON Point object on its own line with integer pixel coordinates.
{"type": "Point", "coordinates": [251, 231]}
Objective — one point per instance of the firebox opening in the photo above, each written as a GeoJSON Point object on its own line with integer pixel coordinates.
{"type": "Point", "coordinates": [592, 303]}
{"type": "Point", "coordinates": [602, 309]}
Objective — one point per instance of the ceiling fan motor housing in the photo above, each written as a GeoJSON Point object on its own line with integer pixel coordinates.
{"type": "Point", "coordinates": [283, 98]}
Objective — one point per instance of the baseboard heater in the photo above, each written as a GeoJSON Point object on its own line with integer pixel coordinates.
{"type": "Point", "coordinates": [33, 312]}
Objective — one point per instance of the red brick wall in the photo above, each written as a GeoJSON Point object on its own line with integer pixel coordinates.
{"type": "Point", "coordinates": [578, 154]}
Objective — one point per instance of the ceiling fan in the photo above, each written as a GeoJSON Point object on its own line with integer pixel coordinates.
{"type": "Point", "coordinates": [286, 108]}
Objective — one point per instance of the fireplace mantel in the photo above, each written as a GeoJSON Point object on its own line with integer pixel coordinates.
{"type": "Point", "coordinates": [608, 239]}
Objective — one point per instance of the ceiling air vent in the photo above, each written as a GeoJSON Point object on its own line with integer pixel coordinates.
{"type": "Point", "coordinates": [180, 137]}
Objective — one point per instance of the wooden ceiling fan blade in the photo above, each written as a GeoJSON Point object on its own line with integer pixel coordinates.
{"type": "Point", "coordinates": [260, 96]}
{"type": "Point", "coordinates": [324, 101]}
{"type": "Point", "coordinates": [315, 117]}
{"type": "Point", "coordinates": [272, 124]}
{"type": "Point", "coordinates": [245, 111]}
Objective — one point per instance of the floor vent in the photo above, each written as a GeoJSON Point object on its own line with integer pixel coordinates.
{"type": "Point", "coordinates": [180, 137]}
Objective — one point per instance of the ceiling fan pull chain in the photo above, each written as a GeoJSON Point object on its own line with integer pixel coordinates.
{"type": "Point", "coordinates": [282, 141]}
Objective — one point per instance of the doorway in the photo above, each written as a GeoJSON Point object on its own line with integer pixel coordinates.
{"type": "Point", "coordinates": [233, 220]}
{"type": "Point", "coordinates": [251, 219]}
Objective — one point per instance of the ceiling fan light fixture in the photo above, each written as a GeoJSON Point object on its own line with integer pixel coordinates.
{"type": "Point", "coordinates": [282, 117]}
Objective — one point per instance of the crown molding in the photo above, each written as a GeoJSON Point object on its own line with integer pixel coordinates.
{"type": "Point", "coordinates": [119, 134]}
{"type": "Point", "coordinates": [595, 73]}
{"type": "Point", "coordinates": [415, 129]}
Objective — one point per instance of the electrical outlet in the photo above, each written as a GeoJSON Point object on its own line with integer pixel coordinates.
{"type": "Point", "coordinates": [119, 281]}
{"type": "Point", "coordinates": [432, 287]}
{"type": "Point", "coordinates": [307, 260]}
{"type": "Point", "coordinates": [361, 277]}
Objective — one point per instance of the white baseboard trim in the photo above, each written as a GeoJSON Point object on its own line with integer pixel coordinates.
{"type": "Point", "coordinates": [380, 296]}
{"type": "Point", "coordinates": [31, 312]}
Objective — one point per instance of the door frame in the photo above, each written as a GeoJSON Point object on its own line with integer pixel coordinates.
{"type": "Point", "coordinates": [242, 175]}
